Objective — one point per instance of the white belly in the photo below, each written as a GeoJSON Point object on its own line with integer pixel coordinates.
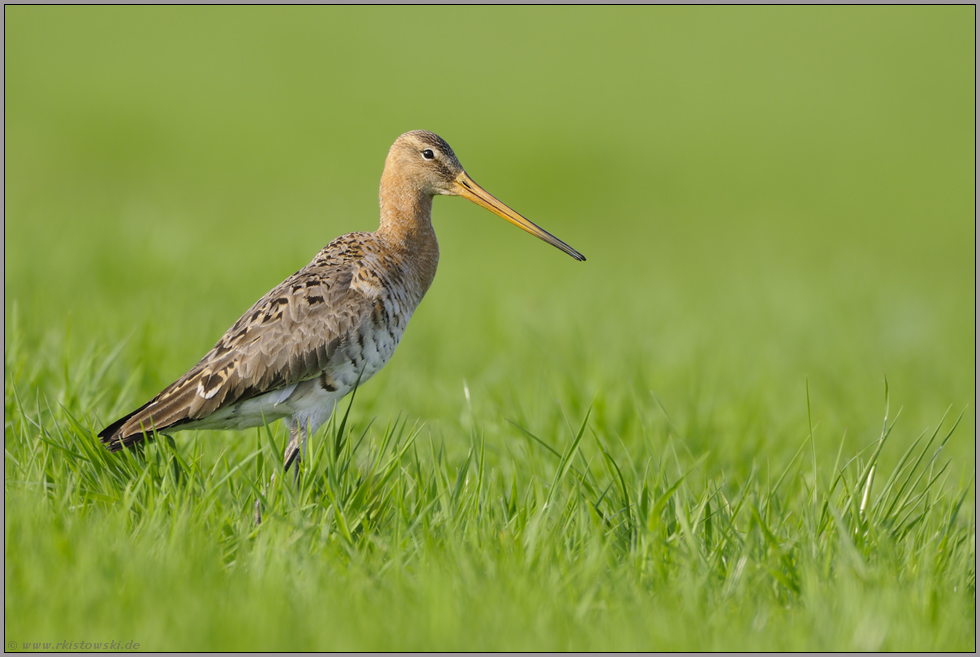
{"type": "Point", "coordinates": [306, 403]}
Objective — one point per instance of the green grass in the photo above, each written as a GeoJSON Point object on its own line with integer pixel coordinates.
{"type": "Point", "coordinates": [746, 423]}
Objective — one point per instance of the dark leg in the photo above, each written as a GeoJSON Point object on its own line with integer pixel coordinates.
{"type": "Point", "coordinates": [293, 454]}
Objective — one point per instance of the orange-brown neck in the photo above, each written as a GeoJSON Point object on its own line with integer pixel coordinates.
{"type": "Point", "coordinates": [406, 224]}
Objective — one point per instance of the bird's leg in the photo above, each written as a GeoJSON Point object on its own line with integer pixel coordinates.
{"type": "Point", "coordinates": [295, 448]}
{"type": "Point", "coordinates": [302, 452]}
{"type": "Point", "coordinates": [291, 456]}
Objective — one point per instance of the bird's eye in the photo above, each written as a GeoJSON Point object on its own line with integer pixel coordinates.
{"type": "Point", "coordinates": [428, 154]}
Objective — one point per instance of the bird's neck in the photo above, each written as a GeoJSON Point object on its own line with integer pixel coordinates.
{"type": "Point", "coordinates": [406, 224]}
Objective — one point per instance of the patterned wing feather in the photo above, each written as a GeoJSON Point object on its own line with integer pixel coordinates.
{"type": "Point", "coordinates": [288, 336]}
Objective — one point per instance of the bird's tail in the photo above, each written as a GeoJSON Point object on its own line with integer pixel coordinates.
{"type": "Point", "coordinates": [115, 436]}
{"type": "Point", "coordinates": [158, 414]}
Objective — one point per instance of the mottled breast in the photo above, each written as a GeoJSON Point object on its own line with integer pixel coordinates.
{"type": "Point", "coordinates": [386, 290]}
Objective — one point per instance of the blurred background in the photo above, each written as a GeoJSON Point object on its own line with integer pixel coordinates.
{"type": "Point", "coordinates": [766, 196]}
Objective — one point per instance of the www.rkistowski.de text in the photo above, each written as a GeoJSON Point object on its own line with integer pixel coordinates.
{"type": "Point", "coordinates": [73, 645]}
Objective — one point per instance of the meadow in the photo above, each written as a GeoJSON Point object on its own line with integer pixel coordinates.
{"type": "Point", "coordinates": [746, 422]}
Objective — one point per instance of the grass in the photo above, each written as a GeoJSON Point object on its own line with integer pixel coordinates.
{"type": "Point", "coordinates": [746, 423]}
{"type": "Point", "coordinates": [390, 543]}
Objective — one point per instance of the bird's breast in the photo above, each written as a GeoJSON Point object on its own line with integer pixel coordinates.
{"type": "Point", "coordinates": [369, 346]}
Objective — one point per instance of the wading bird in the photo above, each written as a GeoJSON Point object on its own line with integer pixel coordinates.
{"type": "Point", "coordinates": [330, 326]}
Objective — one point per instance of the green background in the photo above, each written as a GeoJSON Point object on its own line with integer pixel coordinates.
{"type": "Point", "coordinates": [768, 198]}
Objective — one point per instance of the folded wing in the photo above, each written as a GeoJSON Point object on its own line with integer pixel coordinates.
{"type": "Point", "coordinates": [288, 336]}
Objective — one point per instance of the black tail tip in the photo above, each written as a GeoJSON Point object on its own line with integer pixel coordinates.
{"type": "Point", "coordinates": [112, 438]}
{"type": "Point", "coordinates": [114, 442]}
{"type": "Point", "coordinates": [111, 443]}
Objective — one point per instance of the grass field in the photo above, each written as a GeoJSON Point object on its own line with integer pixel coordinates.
{"type": "Point", "coordinates": [747, 422]}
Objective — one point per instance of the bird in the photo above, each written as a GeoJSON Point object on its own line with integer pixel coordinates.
{"type": "Point", "coordinates": [332, 325]}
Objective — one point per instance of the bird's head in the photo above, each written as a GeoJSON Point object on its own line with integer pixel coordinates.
{"type": "Point", "coordinates": [424, 162]}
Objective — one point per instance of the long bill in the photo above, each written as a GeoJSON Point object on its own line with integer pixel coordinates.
{"type": "Point", "coordinates": [468, 189]}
